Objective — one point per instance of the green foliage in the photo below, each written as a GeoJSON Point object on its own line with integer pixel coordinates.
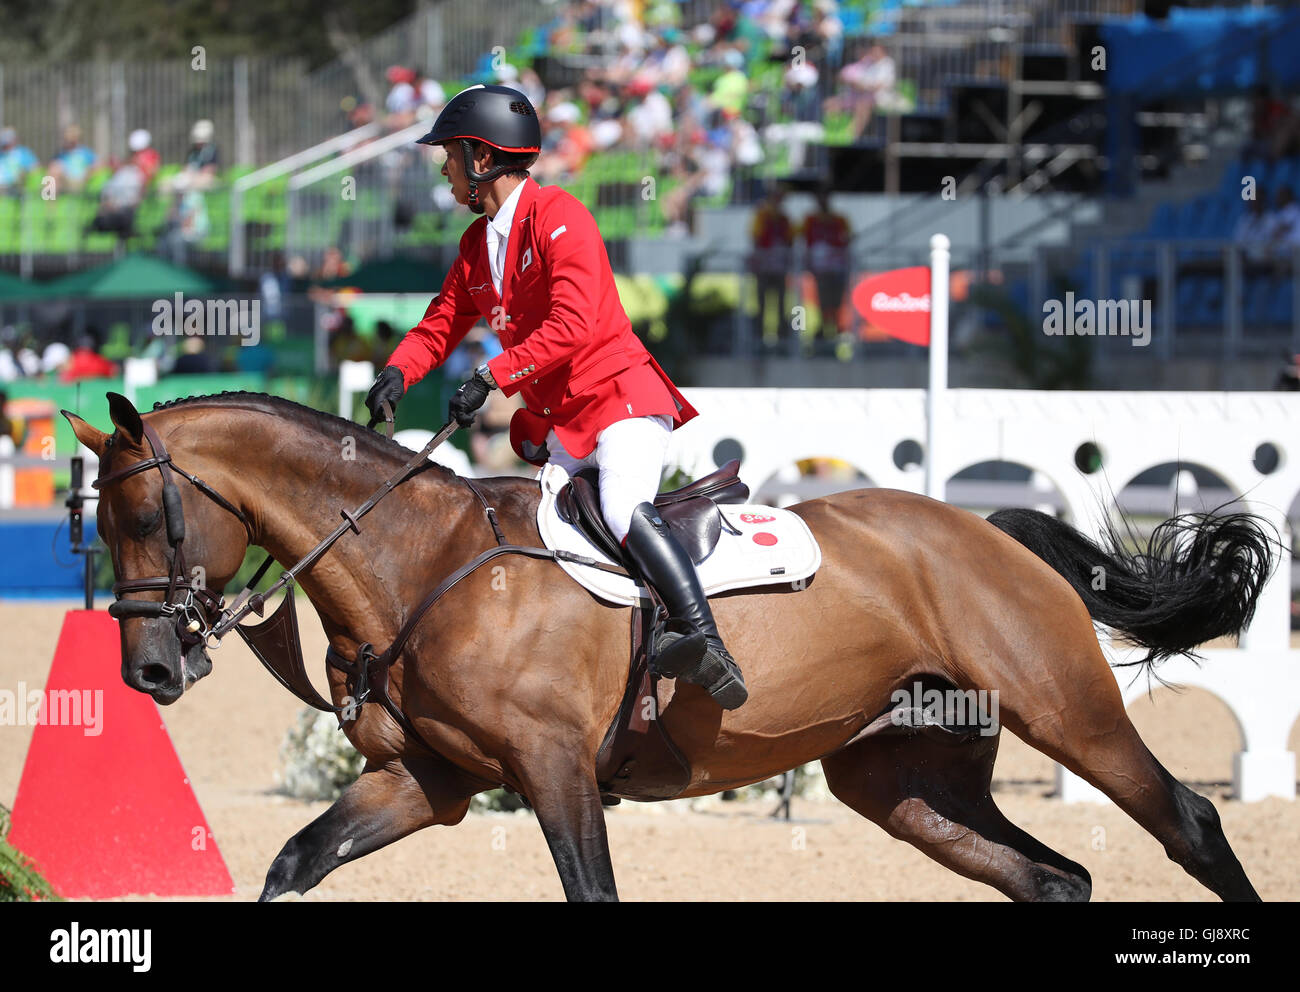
{"type": "Point", "coordinates": [19, 880]}
{"type": "Point", "coordinates": [165, 29]}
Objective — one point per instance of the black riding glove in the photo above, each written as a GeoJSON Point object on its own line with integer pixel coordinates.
{"type": "Point", "coordinates": [389, 385]}
{"type": "Point", "coordinates": [472, 394]}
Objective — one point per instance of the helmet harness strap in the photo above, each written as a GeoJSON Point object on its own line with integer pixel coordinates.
{"type": "Point", "coordinates": [479, 177]}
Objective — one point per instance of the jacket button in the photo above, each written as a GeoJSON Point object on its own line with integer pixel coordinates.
{"type": "Point", "coordinates": [546, 410]}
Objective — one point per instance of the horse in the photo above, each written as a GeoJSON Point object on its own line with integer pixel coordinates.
{"type": "Point", "coordinates": [515, 676]}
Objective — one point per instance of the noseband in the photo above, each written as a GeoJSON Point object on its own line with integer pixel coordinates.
{"type": "Point", "coordinates": [198, 604]}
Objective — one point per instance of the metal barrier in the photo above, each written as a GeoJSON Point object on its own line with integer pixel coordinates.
{"type": "Point", "coordinates": [252, 102]}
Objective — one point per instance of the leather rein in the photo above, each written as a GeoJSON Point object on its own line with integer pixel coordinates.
{"type": "Point", "coordinates": [194, 611]}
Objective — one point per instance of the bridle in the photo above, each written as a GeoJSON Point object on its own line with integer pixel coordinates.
{"type": "Point", "coordinates": [275, 642]}
{"type": "Point", "coordinates": [193, 611]}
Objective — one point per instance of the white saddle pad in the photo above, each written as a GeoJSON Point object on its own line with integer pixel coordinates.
{"type": "Point", "coordinates": [759, 546]}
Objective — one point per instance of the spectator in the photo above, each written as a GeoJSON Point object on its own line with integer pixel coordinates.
{"type": "Point", "coordinates": [119, 200]}
{"type": "Point", "coordinates": [143, 155]}
{"type": "Point", "coordinates": [273, 288]}
{"type": "Point", "coordinates": [530, 85]}
{"type": "Point", "coordinates": [827, 236]}
{"type": "Point", "coordinates": [72, 166]}
{"type": "Point", "coordinates": [828, 30]}
{"type": "Point", "coordinates": [731, 89]}
{"type": "Point", "coordinates": [799, 94]}
{"type": "Point", "coordinates": [10, 428]}
{"type": "Point", "coordinates": [333, 265]}
{"type": "Point", "coordinates": [346, 345]}
{"type": "Point", "coordinates": [201, 162]}
{"type": "Point", "coordinates": [9, 370]}
{"type": "Point", "coordinates": [384, 343]}
{"type": "Point", "coordinates": [1284, 226]}
{"type": "Point", "coordinates": [649, 115]}
{"type": "Point", "coordinates": [1273, 127]}
{"type": "Point", "coordinates": [16, 161]}
{"type": "Point", "coordinates": [868, 82]}
{"type": "Point", "coordinates": [1253, 228]}
{"type": "Point", "coordinates": [572, 144]}
{"type": "Point", "coordinates": [669, 63]}
{"type": "Point", "coordinates": [403, 98]}
{"type": "Point", "coordinates": [194, 359]}
{"type": "Point", "coordinates": [53, 358]}
{"type": "Point", "coordinates": [432, 94]}
{"type": "Point", "coordinates": [773, 236]}
{"type": "Point", "coordinates": [86, 362]}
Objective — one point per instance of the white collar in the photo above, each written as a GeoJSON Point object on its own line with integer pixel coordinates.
{"type": "Point", "coordinates": [506, 215]}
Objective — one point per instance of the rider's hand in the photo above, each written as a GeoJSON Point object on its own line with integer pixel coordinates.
{"type": "Point", "coordinates": [389, 386]}
{"type": "Point", "coordinates": [472, 394]}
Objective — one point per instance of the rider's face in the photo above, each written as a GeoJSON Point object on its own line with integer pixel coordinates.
{"type": "Point", "coordinates": [454, 169]}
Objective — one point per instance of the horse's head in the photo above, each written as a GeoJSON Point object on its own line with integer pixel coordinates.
{"type": "Point", "coordinates": [168, 540]}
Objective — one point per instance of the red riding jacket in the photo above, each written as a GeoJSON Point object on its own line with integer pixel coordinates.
{"type": "Point", "coordinates": [569, 347]}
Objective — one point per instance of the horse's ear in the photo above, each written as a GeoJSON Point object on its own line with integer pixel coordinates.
{"type": "Point", "coordinates": [92, 437]}
{"type": "Point", "coordinates": [125, 416]}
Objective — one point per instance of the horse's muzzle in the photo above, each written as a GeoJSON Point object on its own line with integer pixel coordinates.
{"type": "Point", "coordinates": [165, 668]}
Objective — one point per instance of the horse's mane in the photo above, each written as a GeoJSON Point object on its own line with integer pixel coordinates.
{"type": "Point", "coordinates": [297, 412]}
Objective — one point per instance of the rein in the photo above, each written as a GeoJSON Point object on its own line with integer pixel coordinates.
{"type": "Point", "coordinates": [281, 651]}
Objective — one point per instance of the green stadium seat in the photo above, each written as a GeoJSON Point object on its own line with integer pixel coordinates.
{"type": "Point", "coordinates": [10, 225]}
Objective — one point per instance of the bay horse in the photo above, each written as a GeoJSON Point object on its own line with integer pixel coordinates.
{"type": "Point", "coordinates": [516, 675]}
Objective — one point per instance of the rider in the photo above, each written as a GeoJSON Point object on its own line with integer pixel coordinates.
{"type": "Point", "coordinates": [535, 267]}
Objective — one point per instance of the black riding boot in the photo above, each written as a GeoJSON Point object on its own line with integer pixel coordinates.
{"type": "Point", "coordinates": [689, 647]}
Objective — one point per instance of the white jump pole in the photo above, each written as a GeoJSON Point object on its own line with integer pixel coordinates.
{"type": "Point", "coordinates": [934, 473]}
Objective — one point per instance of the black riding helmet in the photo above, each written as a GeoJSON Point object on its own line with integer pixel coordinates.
{"type": "Point", "coordinates": [495, 115]}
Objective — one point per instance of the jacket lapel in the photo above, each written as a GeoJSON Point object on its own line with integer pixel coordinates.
{"type": "Point", "coordinates": [480, 274]}
{"type": "Point", "coordinates": [520, 226]}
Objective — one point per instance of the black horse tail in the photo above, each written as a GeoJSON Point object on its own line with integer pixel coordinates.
{"type": "Point", "coordinates": [1199, 578]}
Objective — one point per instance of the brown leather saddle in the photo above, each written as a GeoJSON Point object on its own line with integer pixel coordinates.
{"type": "Point", "coordinates": [691, 512]}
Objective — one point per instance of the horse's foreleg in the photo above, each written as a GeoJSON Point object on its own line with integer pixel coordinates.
{"type": "Point", "coordinates": [387, 802]}
{"type": "Point", "coordinates": [562, 790]}
{"type": "Point", "coordinates": [934, 794]}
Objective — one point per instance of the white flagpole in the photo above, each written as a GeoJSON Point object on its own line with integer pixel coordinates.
{"type": "Point", "coordinates": [934, 460]}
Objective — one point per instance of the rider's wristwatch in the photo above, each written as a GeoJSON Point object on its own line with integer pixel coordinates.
{"type": "Point", "coordinates": [485, 373]}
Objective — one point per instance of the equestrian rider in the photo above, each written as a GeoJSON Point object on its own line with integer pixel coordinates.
{"type": "Point", "coordinates": [535, 267]}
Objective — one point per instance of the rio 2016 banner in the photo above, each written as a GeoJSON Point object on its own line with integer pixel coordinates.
{"type": "Point", "coordinates": [896, 304]}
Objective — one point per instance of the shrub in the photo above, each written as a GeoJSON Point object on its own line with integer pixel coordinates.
{"type": "Point", "coordinates": [319, 762]}
{"type": "Point", "coordinates": [19, 880]}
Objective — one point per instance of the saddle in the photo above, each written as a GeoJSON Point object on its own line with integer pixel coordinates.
{"type": "Point", "coordinates": [691, 512]}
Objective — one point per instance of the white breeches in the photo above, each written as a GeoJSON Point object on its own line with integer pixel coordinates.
{"type": "Point", "coordinates": [629, 455]}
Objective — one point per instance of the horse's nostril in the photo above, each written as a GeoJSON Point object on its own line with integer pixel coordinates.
{"type": "Point", "coordinates": [154, 674]}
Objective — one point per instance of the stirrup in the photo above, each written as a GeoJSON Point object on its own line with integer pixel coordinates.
{"type": "Point", "coordinates": [682, 651]}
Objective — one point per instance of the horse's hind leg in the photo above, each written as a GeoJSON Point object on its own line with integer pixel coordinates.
{"type": "Point", "coordinates": [1090, 733]}
{"type": "Point", "coordinates": [934, 794]}
{"type": "Point", "coordinates": [386, 803]}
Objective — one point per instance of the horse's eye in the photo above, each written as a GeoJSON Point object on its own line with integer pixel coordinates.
{"type": "Point", "coordinates": [148, 523]}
